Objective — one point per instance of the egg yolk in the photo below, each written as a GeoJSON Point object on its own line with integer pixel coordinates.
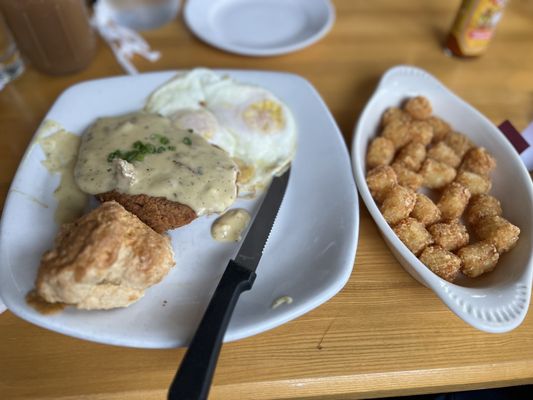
{"type": "Point", "coordinates": [246, 171]}
{"type": "Point", "coordinates": [265, 116]}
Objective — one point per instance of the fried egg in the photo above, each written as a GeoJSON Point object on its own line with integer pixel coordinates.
{"type": "Point", "coordinates": [251, 124]}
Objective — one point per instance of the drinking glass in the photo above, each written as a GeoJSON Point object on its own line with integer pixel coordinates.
{"type": "Point", "coordinates": [11, 64]}
{"type": "Point", "coordinates": [143, 14]}
{"type": "Point", "coordinates": [54, 35]}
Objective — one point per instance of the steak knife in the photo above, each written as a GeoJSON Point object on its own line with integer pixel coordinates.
{"type": "Point", "coordinates": [194, 376]}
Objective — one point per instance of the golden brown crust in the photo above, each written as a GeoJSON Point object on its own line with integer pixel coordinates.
{"type": "Point", "coordinates": [480, 206]}
{"type": "Point", "coordinates": [380, 152]}
{"type": "Point", "coordinates": [477, 184]}
{"type": "Point", "coordinates": [157, 212]}
{"type": "Point", "coordinates": [430, 154]}
{"type": "Point", "coordinates": [421, 132]}
{"type": "Point", "coordinates": [449, 235]}
{"type": "Point", "coordinates": [394, 114]}
{"type": "Point", "coordinates": [442, 262]}
{"type": "Point", "coordinates": [479, 161]}
{"type": "Point", "coordinates": [436, 174]}
{"type": "Point", "coordinates": [425, 211]}
{"type": "Point", "coordinates": [459, 143]}
{"type": "Point", "coordinates": [397, 131]}
{"type": "Point", "coordinates": [478, 258]}
{"type": "Point", "coordinates": [406, 177]}
{"type": "Point", "coordinates": [380, 180]}
{"type": "Point", "coordinates": [398, 204]}
{"type": "Point", "coordinates": [413, 234]}
{"type": "Point", "coordinates": [411, 155]}
{"type": "Point", "coordinates": [453, 201]}
{"type": "Point", "coordinates": [440, 128]}
{"type": "Point", "coordinates": [444, 153]}
{"type": "Point", "coordinates": [498, 231]}
{"type": "Point", "coordinates": [418, 107]}
{"type": "Point", "coordinates": [103, 260]}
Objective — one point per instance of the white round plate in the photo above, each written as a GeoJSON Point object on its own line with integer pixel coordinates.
{"type": "Point", "coordinates": [495, 302]}
{"type": "Point", "coordinates": [259, 27]}
{"type": "Point", "coordinates": [309, 255]}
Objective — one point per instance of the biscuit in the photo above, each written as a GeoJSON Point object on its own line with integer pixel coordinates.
{"type": "Point", "coordinates": [105, 259]}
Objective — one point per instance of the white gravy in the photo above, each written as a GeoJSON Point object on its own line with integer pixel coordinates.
{"type": "Point", "coordinates": [230, 225]}
{"type": "Point", "coordinates": [175, 164]}
{"type": "Point", "coordinates": [61, 150]}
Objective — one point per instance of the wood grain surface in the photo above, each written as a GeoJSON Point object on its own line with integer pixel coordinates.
{"type": "Point", "coordinates": [383, 334]}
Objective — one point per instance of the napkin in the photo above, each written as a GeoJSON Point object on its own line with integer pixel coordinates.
{"type": "Point", "coordinates": [527, 154]}
{"type": "Point", "coordinates": [2, 307]}
{"type": "Point", "coordinates": [124, 42]}
{"type": "Point", "coordinates": [523, 143]}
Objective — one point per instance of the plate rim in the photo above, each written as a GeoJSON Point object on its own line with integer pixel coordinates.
{"type": "Point", "coordinates": [332, 290]}
{"type": "Point", "coordinates": [263, 52]}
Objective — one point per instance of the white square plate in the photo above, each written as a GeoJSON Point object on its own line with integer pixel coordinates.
{"type": "Point", "coordinates": [309, 256]}
{"type": "Point", "coordinates": [495, 302]}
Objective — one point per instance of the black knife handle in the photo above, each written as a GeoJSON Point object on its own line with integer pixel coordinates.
{"type": "Point", "coordinates": [193, 379]}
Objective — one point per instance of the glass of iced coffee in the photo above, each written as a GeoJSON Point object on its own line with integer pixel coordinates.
{"type": "Point", "coordinates": [54, 35]}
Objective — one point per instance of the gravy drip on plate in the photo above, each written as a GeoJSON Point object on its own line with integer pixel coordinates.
{"type": "Point", "coordinates": [142, 153]}
{"type": "Point", "coordinates": [61, 150]}
{"type": "Point", "coordinates": [229, 226]}
{"type": "Point", "coordinates": [41, 306]}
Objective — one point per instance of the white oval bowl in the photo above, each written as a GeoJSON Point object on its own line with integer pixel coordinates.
{"type": "Point", "coordinates": [496, 302]}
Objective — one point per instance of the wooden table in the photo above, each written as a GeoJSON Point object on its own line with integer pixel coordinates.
{"type": "Point", "coordinates": [383, 334]}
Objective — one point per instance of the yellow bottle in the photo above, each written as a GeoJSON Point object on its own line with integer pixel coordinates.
{"type": "Point", "coordinates": [474, 27]}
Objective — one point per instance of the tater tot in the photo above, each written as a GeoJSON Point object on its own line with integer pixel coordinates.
{"type": "Point", "coordinates": [459, 143]}
{"type": "Point", "coordinates": [413, 234]}
{"type": "Point", "coordinates": [379, 180]}
{"type": "Point", "coordinates": [453, 201]}
{"type": "Point", "coordinates": [406, 177]}
{"type": "Point", "coordinates": [418, 107]}
{"type": "Point", "coordinates": [394, 113]}
{"type": "Point", "coordinates": [477, 184]}
{"type": "Point", "coordinates": [397, 132]}
{"type": "Point", "coordinates": [421, 132]}
{"type": "Point", "coordinates": [412, 155]}
{"type": "Point", "coordinates": [445, 154]}
{"type": "Point", "coordinates": [449, 235]}
{"type": "Point", "coordinates": [380, 152]}
{"type": "Point", "coordinates": [440, 128]}
{"type": "Point", "coordinates": [481, 206]}
{"type": "Point", "coordinates": [436, 174]}
{"type": "Point", "coordinates": [442, 262]}
{"type": "Point", "coordinates": [478, 258]}
{"type": "Point", "coordinates": [479, 161]}
{"type": "Point", "coordinates": [425, 211]}
{"type": "Point", "coordinates": [398, 204]}
{"type": "Point", "coordinates": [498, 231]}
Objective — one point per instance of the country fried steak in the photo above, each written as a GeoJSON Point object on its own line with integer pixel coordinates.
{"type": "Point", "coordinates": [158, 213]}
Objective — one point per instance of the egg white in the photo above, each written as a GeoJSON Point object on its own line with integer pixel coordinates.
{"type": "Point", "coordinates": [251, 124]}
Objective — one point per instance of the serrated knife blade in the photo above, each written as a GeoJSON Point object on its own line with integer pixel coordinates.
{"type": "Point", "coordinates": [255, 240]}
{"type": "Point", "coordinates": [194, 376]}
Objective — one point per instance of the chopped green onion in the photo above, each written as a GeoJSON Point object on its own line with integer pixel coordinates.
{"type": "Point", "coordinates": [187, 141]}
{"type": "Point", "coordinates": [131, 155]}
{"type": "Point", "coordinates": [140, 149]}
{"type": "Point", "coordinates": [138, 145]}
{"type": "Point", "coordinates": [113, 155]}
